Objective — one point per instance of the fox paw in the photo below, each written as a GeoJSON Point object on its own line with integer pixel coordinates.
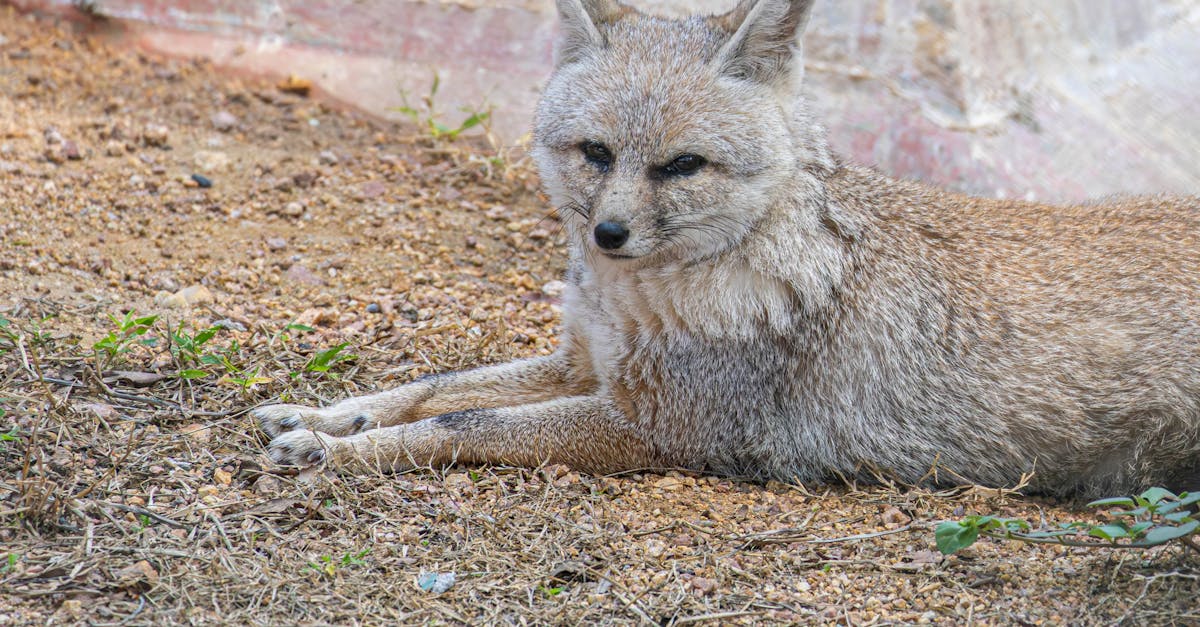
{"type": "Point", "coordinates": [276, 420]}
{"type": "Point", "coordinates": [302, 448]}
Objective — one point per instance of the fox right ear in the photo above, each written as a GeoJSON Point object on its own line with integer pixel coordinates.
{"type": "Point", "coordinates": [765, 44]}
{"type": "Point", "coordinates": [581, 21]}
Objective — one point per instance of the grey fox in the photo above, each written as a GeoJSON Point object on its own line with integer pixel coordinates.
{"type": "Point", "coordinates": [742, 302]}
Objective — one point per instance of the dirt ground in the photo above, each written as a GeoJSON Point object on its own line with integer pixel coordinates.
{"type": "Point", "coordinates": [334, 255]}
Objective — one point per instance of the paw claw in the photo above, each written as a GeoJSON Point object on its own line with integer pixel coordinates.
{"type": "Point", "coordinates": [315, 457]}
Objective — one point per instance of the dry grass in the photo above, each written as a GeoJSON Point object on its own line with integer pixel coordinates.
{"type": "Point", "coordinates": [133, 499]}
{"type": "Point", "coordinates": [121, 510]}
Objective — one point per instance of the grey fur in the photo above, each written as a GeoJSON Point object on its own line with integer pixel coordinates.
{"type": "Point", "coordinates": [780, 314]}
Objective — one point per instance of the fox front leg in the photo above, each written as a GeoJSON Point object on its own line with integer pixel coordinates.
{"type": "Point", "coordinates": [514, 383]}
{"type": "Point", "coordinates": [587, 433]}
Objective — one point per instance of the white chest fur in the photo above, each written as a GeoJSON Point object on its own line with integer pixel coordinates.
{"type": "Point", "coordinates": [616, 310]}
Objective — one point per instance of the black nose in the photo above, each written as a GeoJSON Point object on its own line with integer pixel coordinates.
{"type": "Point", "coordinates": [611, 235]}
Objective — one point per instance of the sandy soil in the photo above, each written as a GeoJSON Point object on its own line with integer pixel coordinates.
{"type": "Point", "coordinates": [134, 489]}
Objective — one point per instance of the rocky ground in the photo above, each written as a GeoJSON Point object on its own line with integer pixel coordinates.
{"type": "Point", "coordinates": [179, 246]}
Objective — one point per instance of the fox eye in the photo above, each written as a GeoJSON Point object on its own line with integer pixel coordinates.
{"type": "Point", "coordinates": [684, 164]}
{"type": "Point", "coordinates": [597, 153]}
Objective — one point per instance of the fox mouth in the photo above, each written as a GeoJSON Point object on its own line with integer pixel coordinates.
{"type": "Point", "coordinates": [616, 255]}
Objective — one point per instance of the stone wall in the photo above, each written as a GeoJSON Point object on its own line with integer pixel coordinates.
{"type": "Point", "coordinates": [1052, 99]}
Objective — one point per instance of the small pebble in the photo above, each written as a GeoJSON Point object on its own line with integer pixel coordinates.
{"type": "Point", "coordinates": [704, 585]}
{"type": "Point", "coordinates": [186, 297]}
{"type": "Point", "coordinates": [202, 181]}
{"type": "Point", "coordinates": [211, 161]}
{"type": "Point", "coordinates": [155, 135]}
{"type": "Point", "coordinates": [374, 308]}
{"type": "Point", "coordinates": [303, 276]}
{"type": "Point", "coordinates": [224, 121]}
{"type": "Point", "coordinates": [231, 325]}
{"type": "Point", "coordinates": [435, 583]}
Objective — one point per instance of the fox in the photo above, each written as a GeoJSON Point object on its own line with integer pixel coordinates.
{"type": "Point", "coordinates": [743, 302]}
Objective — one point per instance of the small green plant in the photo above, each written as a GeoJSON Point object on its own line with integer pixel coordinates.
{"type": "Point", "coordinates": [9, 563]}
{"type": "Point", "coordinates": [427, 115]}
{"type": "Point", "coordinates": [12, 435]}
{"type": "Point", "coordinates": [198, 357]}
{"type": "Point", "coordinates": [322, 361]}
{"type": "Point", "coordinates": [327, 565]}
{"type": "Point", "coordinates": [283, 337]}
{"type": "Point", "coordinates": [551, 592]}
{"type": "Point", "coordinates": [130, 331]}
{"type": "Point", "coordinates": [1152, 518]}
{"type": "Point", "coordinates": [245, 381]}
{"type": "Point", "coordinates": [355, 559]}
{"type": "Point", "coordinates": [8, 339]}
{"type": "Point", "coordinates": [188, 349]}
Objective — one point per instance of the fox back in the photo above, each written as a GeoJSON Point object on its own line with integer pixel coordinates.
{"type": "Point", "coordinates": [756, 306]}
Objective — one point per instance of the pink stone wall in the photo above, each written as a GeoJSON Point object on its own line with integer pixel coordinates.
{"type": "Point", "coordinates": [1049, 99]}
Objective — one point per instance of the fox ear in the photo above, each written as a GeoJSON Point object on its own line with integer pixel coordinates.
{"type": "Point", "coordinates": [581, 21]}
{"type": "Point", "coordinates": [766, 38]}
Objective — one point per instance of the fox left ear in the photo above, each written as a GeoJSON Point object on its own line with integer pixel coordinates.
{"type": "Point", "coordinates": [581, 22]}
{"type": "Point", "coordinates": [766, 38]}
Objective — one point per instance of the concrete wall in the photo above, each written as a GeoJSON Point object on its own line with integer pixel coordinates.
{"type": "Point", "coordinates": [1054, 99]}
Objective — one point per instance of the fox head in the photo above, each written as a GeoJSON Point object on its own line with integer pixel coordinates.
{"type": "Point", "coordinates": [668, 140]}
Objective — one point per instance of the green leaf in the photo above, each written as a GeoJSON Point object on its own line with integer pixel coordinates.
{"type": "Point", "coordinates": [1185, 499]}
{"type": "Point", "coordinates": [145, 321]}
{"type": "Point", "coordinates": [953, 537]}
{"type": "Point", "coordinates": [1154, 495]}
{"type": "Point", "coordinates": [192, 374]}
{"type": "Point", "coordinates": [1177, 517]}
{"type": "Point", "coordinates": [475, 120]}
{"type": "Point", "coordinates": [1123, 501]}
{"type": "Point", "coordinates": [1159, 535]}
{"type": "Point", "coordinates": [1015, 524]}
{"type": "Point", "coordinates": [983, 522]}
{"type": "Point", "coordinates": [1109, 532]}
{"type": "Point", "coordinates": [299, 327]}
{"type": "Point", "coordinates": [324, 360]}
{"type": "Point", "coordinates": [1137, 530]}
{"type": "Point", "coordinates": [204, 336]}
